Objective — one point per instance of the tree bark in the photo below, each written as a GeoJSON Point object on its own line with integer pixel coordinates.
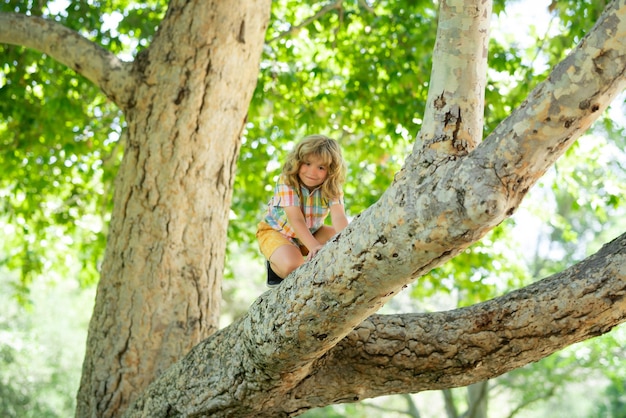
{"type": "Point", "coordinates": [453, 120]}
{"type": "Point", "coordinates": [228, 374]}
{"type": "Point", "coordinates": [159, 292]}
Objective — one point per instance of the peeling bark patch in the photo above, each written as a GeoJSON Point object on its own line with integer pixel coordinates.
{"type": "Point", "coordinates": [601, 61]}
{"type": "Point", "coordinates": [440, 102]}
{"type": "Point", "coordinates": [558, 147]}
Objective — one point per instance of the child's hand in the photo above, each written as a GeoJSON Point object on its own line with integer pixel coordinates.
{"type": "Point", "coordinates": [312, 252]}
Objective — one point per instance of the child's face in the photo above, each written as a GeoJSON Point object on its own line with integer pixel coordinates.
{"type": "Point", "coordinates": [312, 172]}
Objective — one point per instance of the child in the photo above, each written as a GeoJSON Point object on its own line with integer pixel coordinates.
{"type": "Point", "coordinates": [310, 186]}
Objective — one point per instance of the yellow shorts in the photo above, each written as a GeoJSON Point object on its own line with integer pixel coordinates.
{"type": "Point", "coordinates": [270, 239]}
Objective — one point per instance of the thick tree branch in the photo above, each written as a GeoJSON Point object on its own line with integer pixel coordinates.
{"type": "Point", "coordinates": [415, 352]}
{"type": "Point", "coordinates": [434, 210]}
{"type": "Point", "coordinates": [93, 62]}
{"type": "Point", "coordinates": [403, 353]}
{"type": "Point", "coordinates": [453, 122]}
{"type": "Point", "coordinates": [561, 108]}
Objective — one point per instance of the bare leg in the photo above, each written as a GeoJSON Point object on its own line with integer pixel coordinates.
{"type": "Point", "coordinates": [324, 234]}
{"type": "Point", "coordinates": [286, 259]}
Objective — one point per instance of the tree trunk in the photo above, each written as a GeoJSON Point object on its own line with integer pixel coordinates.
{"type": "Point", "coordinates": [453, 120]}
{"type": "Point", "coordinates": [159, 292]}
{"type": "Point", "coordinates": [477, 400]}
{"type": "Point", "coordinates": [449, 404]}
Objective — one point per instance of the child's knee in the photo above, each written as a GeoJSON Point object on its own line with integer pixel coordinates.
{"type": "Point", "coordinates": [324, 233]}
{"type": "Point", "coordinates": [287, 265]}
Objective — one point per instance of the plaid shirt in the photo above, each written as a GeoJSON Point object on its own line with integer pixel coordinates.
{"type": "Point", "coordinates": [313, 205]}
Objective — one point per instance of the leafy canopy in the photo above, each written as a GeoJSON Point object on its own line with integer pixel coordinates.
{"type": "Point", "coordinates": [355, 70]}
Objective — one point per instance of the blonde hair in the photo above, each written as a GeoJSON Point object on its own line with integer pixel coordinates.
{"type": "Point", "coordinates": [329, 152]}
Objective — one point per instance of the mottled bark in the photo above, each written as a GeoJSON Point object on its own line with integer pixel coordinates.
{"type": "Point", "coordinates": [159, 292]}
{"type": "Point", "coordinates": [453, 120]}
{"type": "Point", "coordinates": [460, 347]}
{"type": "Point", "coordinates": [227, 375]}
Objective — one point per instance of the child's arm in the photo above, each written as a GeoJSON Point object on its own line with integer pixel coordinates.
{"type": "Point", "coordinates": [296, 220]}
{"type": "Point", "coordinates": [338, 217]}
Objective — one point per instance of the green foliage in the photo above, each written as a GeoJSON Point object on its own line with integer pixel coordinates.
{"type": "Point", "coordinates": [615, 404]}
{"type": "Point", "coordinates": [584, 199]}
{"type": "Point", "coordinates": [553, 377]}
{"type": "Point", "coordinates": [485, 270]}
{"type": "Point", "coordinates": [59, 147]}
{"type": "Point", "coordinates": [356, 73]}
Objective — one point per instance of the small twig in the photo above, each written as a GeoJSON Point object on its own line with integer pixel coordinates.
{"type": "Point", "coordinates": [367, 6]}
{"type": "Point", "coordinates": [328, 8]}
